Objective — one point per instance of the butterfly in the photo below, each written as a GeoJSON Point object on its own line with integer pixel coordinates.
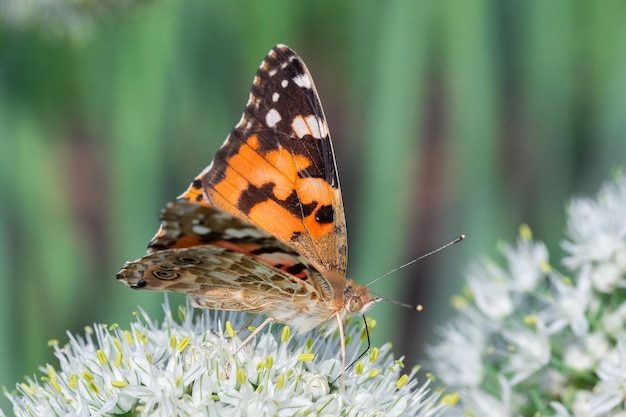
{"type": "Point", "coordinates": [262, 228]}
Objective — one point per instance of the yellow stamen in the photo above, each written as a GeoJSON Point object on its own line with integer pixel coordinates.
{"type": "Point", "coordinates": [374, 355]}
{"type": "Point", "coordinates": [93, 387]}
{"type": "Point", "coordinates": [285, 334]}
{"type": "Point", "coordinates": [27, 388]}
{"type": "Point", "coordinates": [241, 376]}
{"type": "Point", "coordinates": [55, 385]}
{"type": "Point", "coordinates": [358, 368]}
{"type": "Point", "coordinates": [229, 329]}
{"type": "Point", "coordinates": [371, 323]}
{"type": "Point", "coordinates": [450, 399]}
{"type": "Point", "coordinates": [102, 357]}
{"type": "Point", "coordinates": [183, 344]}
{"type": "Point", "coordinates": [458, 302]}
{"type": "Point", "coordinates": [525, 232]}
{"type": "Point", "coordinates": [402, 381]}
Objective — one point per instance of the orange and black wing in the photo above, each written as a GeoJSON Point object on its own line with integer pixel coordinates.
{"type": "Point", "coordinates": [277, 167]}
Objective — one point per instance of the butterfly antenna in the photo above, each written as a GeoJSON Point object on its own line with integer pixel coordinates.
{"type": "Point", "coordinates": [452, 242]}
{"type": "Point", "coordinates": [415, 307]}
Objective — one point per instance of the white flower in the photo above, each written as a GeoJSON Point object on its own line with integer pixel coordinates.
{"type": "Point", "coordinates": [581, 406]}
{"type": "Point", "coordinates": [528, 262]}
{"type": "Point", "coordinates": [585, 354]}
{"type": "Point", "coordinates": [596, 227]}
{"type": "Point", "coordinates": [541, 343]}
{"type": "Point", "coordinates": [568, 303]}
{"type": "Point", "coordinates": [529, 351]}
{"type": "Point", "coordinates": [485, 404]}
{"type": "Point", "coordinates": [611, 391]}
{"type": "Point", "coordinates": [462, 339]}
{"type": "Point", "coordinates": [613, 321]}
{"type": "Point", "coordinates": [606, 277]}
{"type": "Point", "coordinates": [188, 368]}
{"type": "Point", "coordinates": [490, 291]}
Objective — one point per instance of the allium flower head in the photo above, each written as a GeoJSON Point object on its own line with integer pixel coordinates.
{"type": "Point", "coordinates": [187, 367]}
{"type": "Point", "coordinates": [529, 340]}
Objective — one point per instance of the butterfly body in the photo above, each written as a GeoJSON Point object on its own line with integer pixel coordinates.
{"type": "Point", "coordinates": [262, 228]}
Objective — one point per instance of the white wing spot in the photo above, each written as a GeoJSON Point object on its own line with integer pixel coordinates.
{"type": "Point", "coordinates": [272, 72]}
{"type": "Point", "coordinates": [272, 118]}
{"type": "Point", "coordinates": [284, 83]}
{"type": "Point", "coordinates": [247, 232]}
{"type": "Point", "coordinates": [201, 230]}
{"type": "Point", "coordinates": [275, 97]}
{"type": "Point", "coordinates": [302, 81]}
{"type": "Point", "coordinates": [309, 125]}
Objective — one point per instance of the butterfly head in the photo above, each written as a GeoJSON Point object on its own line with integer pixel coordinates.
{"type": "Point", "coordinates": [357, 299]}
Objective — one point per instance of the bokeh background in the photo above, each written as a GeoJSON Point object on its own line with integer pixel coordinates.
{"type": "Point", "coordinates": [448, 117]}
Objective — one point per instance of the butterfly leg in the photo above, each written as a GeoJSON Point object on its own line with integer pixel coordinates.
{"type": "Point", "coordinates": [342, 342]}
{"type": "Point", "coordinates": [343, 349]}
{"type": "Point", "coordinates": [254, 333]}
{"type": "Point", "coordinates": [247, 340]}
{"type": "Point", "coordinates": [245, 325]}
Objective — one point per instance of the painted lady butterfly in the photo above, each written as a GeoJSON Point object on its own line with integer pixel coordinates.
{"type": "Point", "coordinates": [262, 228]}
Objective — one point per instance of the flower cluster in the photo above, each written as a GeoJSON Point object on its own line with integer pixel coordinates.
{"type": "Point", "coordinates": [68, 19]}
{"type": "Point", "coordinates": [531, 341]}
{"type": "Point", "coordinates": [187, 367]}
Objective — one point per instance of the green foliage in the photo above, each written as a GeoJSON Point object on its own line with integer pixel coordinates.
{"type": "Point", "coordinates": [447, 118]}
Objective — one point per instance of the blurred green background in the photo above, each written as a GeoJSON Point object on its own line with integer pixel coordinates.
{"type": "Point", "coordinates": [448, 117]}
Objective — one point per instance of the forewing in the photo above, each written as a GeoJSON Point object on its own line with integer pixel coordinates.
{"type": "Point", "coordinates": [218, 278]}
{"type": "Point", "coordinates": [277, 167]}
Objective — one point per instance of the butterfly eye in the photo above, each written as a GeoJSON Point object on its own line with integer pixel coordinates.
{"type": "Point", "coordinates": [186, 260]}
{"type": "Point", "coordinates": [166, 275]}
{"type": "Point", "coordinates": [355, 304]}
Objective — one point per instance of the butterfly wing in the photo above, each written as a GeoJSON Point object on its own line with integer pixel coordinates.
{"type": "Point", "coordinates": [183, 222]}
{"type": "Point", "coordinates": [218, 278]}
{"type": "Point", "coordinates": [236, 267]}
{"type": "Point", "coordinates": [277, 167]}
